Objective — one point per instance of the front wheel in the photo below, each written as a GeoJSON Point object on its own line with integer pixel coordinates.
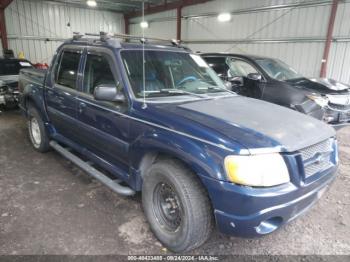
{"type": "Point", "coordinates": [177, 206]}
{"type": "Point", "coordinates": [37, 131]}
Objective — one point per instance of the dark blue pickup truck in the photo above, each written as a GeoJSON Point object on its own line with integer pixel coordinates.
{"type": "Point", "coordinates": [155, 118]}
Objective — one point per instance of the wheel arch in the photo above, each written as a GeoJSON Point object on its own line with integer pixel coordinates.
{"type": "Point", "coordinates": [153, 147]}
{"type": "Point", "coordinates": [32, 99]}
{"type": "Point", "coordinates": [155, 156]}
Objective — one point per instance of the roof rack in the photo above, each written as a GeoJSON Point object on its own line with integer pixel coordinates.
{"type": "Point", "coordinates": [104, 37]}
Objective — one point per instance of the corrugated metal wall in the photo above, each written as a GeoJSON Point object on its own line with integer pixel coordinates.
{"type": "Point", "coordinates": [29, 23]}
{"type": "Point", "coordinates": [165, 29]}
{"type": "Point", "coordinates": [339, 62]}
{"type": "Point", "coordinates": [294, 33]}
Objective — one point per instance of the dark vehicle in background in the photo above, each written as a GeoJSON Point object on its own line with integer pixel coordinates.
{"type": "Point", "coordinates": [159, 120]}
{"type": "Point", "coordinates": [9, 71]}
{"type": "Point", "coordinates": [274, 81]}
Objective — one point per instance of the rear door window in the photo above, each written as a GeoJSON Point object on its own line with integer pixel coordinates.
{"type": "Point", "coordinates": [67, 73]}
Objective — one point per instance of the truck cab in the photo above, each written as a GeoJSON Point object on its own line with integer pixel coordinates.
{"type": "Point", "coordinates": [155, 118]}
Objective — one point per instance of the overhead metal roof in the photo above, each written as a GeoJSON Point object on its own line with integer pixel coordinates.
{"type": "Point", "coordinates": [122, 6]}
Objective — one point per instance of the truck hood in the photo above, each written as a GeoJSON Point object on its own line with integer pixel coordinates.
{"type": "Point", "coordinates": [320, 85]}
{"type": "Point", "coordinates": [257, 125]}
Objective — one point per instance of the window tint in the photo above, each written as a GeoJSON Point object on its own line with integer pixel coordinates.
{"type": "Point", "coordinates": [68, 69]}
{"type": "Point", "coordinates": [97, 72]}
{"type": "Point", "coordinates": [240, 68]}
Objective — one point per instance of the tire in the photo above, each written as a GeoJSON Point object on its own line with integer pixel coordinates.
{"type": "Point", "coordinates": [176, 205]}
{"type": "Point", "coordinates": [37, 132]}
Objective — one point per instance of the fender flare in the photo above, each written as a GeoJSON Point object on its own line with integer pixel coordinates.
{"type": "Point", "coordinates": [195, 154]}
{"type": "Point", "coordinates": [34, 95]}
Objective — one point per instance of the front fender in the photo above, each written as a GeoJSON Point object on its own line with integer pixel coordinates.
{"type": "Point", "coordinates": [204, 159]}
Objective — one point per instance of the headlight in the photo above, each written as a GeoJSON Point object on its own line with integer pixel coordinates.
{"type": "Point", "coordinates": [262, 170]}
{"type": "Point", "coordinates": [321, 101]}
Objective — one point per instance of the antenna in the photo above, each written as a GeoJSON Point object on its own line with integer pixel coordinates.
{"type": "Point", "coordinates": [143, 40]}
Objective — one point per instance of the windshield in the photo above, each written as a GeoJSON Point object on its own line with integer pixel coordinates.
{"type": "Point", "coordinates": [170, 74]}
{"type": "Point", "coordinates": [277, 69]}
{"type": "Point", "coordinates": [12, 67]}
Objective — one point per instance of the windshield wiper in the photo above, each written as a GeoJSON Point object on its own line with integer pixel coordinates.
{"type": "Point", "coordinates": [215, 88]}
{"type": "Point", "coordinates": [173, 92]}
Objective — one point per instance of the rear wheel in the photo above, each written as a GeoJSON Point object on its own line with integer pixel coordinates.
{"type": "Point", "coordinates": [176, 206]}
{"type": "Point", "coordinates": [37, 131]}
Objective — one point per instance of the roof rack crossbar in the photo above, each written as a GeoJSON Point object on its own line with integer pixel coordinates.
{"type": "Point", "coordinates": [77, 35]}
{"type": "Point", "coordinates": [147, 39]}
{"type": "Point", "coordinates": [104, 36]}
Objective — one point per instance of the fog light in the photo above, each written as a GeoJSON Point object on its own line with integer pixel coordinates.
{"type": "Point", "coordinates": [269, 225]}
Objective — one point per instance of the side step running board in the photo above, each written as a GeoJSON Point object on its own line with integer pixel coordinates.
{"type": "Point", "coordinates": [112, 184]}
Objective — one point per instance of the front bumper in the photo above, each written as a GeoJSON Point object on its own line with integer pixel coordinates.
{"type": "Point", "coordinates": [250, 212]}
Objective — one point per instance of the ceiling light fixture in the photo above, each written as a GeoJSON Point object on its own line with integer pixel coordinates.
{"type": "Point", "coordinates": [91, 3]}
{"type": "Point", "coordinates": [224, 17]}
{"type": "Point", "coordinates": [144, 24]}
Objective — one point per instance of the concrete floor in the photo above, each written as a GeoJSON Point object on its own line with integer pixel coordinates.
{"type": "Point", "coordinates": [48, 206]}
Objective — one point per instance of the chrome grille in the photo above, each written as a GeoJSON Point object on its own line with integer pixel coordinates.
{"type": "Point", "coordinates": [315, 168]}
{"type": "Point", "coordinates": [317, 158]}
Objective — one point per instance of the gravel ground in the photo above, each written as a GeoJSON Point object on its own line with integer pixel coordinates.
{"type": "Point", "coordinates": [48, 206]}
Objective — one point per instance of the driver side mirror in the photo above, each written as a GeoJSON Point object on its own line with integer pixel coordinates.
{"type": "Point", "coordinates": [109, 92]}
{"type": "Point", "coordinates": [254, 76]}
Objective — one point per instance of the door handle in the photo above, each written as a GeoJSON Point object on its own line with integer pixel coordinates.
{"type": "Point", "coordinates": [81, 107]}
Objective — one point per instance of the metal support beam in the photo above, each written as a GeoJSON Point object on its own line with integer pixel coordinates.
{"type": "Point", "coordinates": [3, 29]}
{"type": "Point", "coordinates": [166, 7]}
{"type": "Point", "coordinates": [126, 25]}
{"type": "Point", "coordinates": [3, 32]}
{"type": "Point", "coordinates": [178, 22]}
{"type": "Point", "coordinates": [5, 3]}
{"type": "Point", "coordinates": [329, 38]}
